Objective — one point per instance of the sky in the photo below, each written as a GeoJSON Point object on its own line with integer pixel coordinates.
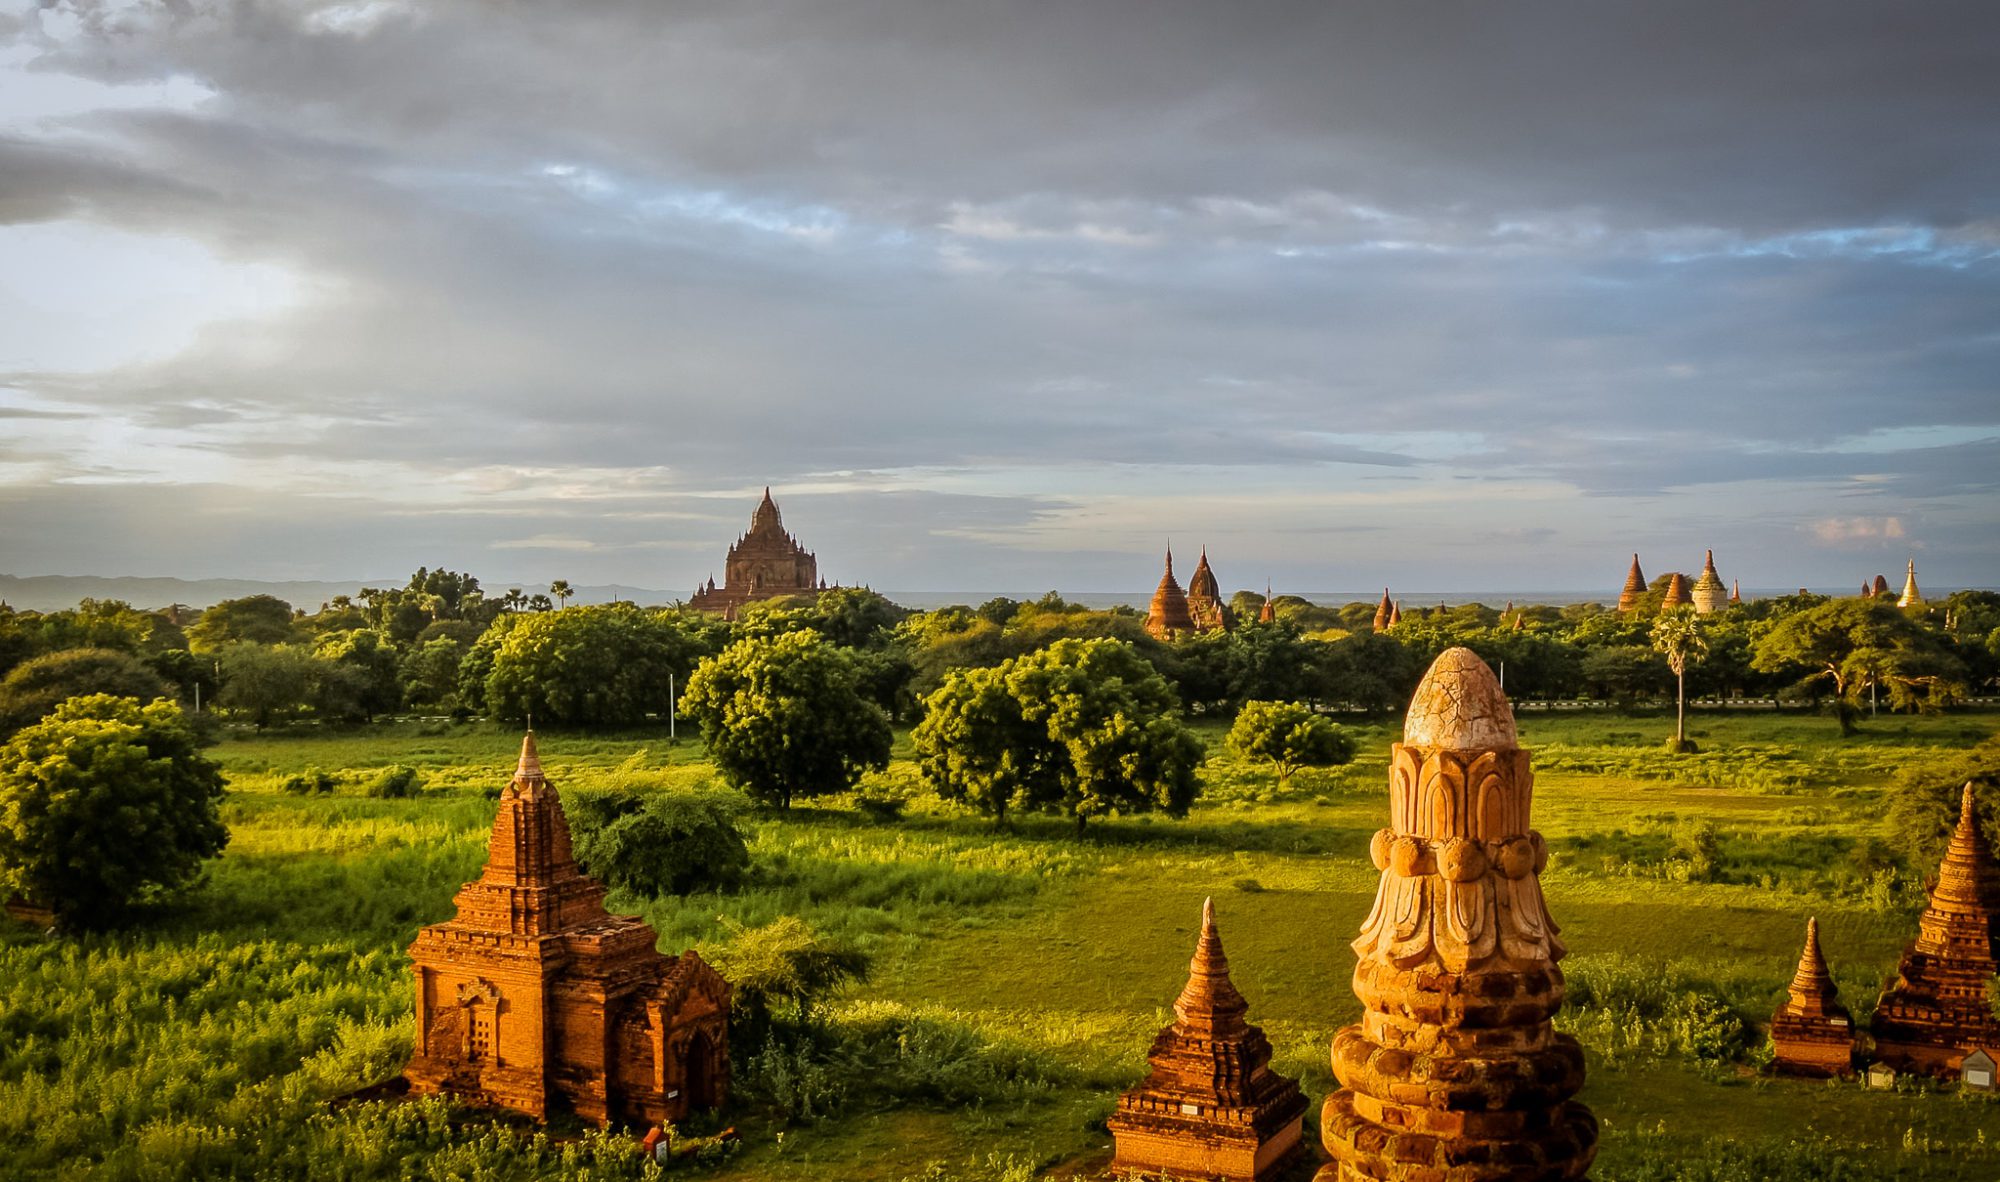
{"type": "Point", "coordinates": [1003, 296]}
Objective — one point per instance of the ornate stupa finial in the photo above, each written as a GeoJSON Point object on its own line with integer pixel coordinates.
{"type": "Point", "coordinates": [1455, 1069]}
{"type": "Point", "coordinates": [529, 769]}
{"type": "Point", "coordinates": [1910, 596]}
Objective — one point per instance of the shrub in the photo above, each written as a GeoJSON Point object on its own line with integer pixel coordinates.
{"type": "Point", "coordinates": [1288, 736]}
{"type": "Point", "coordinates": [660, 843]}
{"type": "Point", "coordinates": [37, 687]}
{"type": "Point", "coordinates": [395, 782]}
{"type": "Point", "coordinates": [105, 803]}
{"type": "Point", "coordinates": [311, 781]}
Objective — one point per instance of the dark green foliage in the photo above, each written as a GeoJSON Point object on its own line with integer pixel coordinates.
{"type": "Point", "coordinates": [37, 687]}
{"type": "Point", "coordinates": [660, 842]}
{"type": "Point", "coordinates": [1081, 728]}
{"type": "Point", "coordinates": [356, 676]}
{"type": "Point", "coordinates": [607, 665]}
{"type": "Point", "coordinates": [395, 782]}
{"type": "Point", "coordinates": [103, 804]}
{"type": "Point", "coordinates": [783, 971]}
{"type": "Point", "coordinates": [1849, 643]}
{"type": "Point", "coordinates": [1926, 796]}
{"type": "Point", "coordinates": [785, 718]}
{"type": "Point", "coordinates": [254, 619]}
{"type": "Point", "coordinates": [1288, 736]}
{"type": "Point", "coordinates": [267, 683]}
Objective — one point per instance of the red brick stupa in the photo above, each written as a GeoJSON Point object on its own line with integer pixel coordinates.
{"type": "Point", "coordinates": [1635, 587]}
{"type": "Point", "coordinates": [1812, 1033]}
{"type": "Point", "coordinates": [1454, 1073]}
{"type": "Point", "coordinates": [1382, 611]}
{"type": "Point", "coordinates": [1168, 616]}
{"type": "Point", "coordinates": [1935, 1009]}
{"type": "Point", "coordinates": [534, 998]}
{"type": "Point", "coordinates": [765, 563]}
{"type": "Point", "coordinates": [1204, 599]}
{"type": "Point", "coordinates": [1211, 1108]}
{"type": "Point", "coordinates": [1679, 594]}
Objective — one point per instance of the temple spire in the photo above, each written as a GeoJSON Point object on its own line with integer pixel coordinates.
{"type": "Point", "coordinates": [1635, 587]}
{"type": "Point", "coordinates": [1910, 595]}
{"type": "Point", "coordinates": [1210, 1003]}
{"type": "Point", "coordinates": [1382, 611]}
{"type": "Point", "coordinates": [1812, 984]}
{"type": "Point", "coordinates": [1811, 1032]}
{"type": "Point", "coordinates": [529, 769]}
{"type": "Point", "coordinates": [1267, 614]}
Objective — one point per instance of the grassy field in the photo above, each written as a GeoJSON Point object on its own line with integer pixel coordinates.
{"type": "Point", "coordinates": [1019, 975]}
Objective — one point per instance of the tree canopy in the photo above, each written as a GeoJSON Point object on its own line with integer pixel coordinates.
{"type": "Point", "coordinates": [1083, 728]}
{"type": "Point", "coordinates": [38, 686]}
{"type": "Point", "coordinates": [787, 717]}
{"type": "Point", "coordinates": [1849, 642]}
{"type": "Point", "coordinates": [105, 803]}
{"type": "Point", "coordinates": [1289, 736]}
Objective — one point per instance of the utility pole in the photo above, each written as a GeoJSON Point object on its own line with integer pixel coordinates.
{"type": "Point", "coordinates": [672, 721]}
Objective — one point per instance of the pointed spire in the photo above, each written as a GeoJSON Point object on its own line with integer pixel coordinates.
{"type": "Point", "coordinates": [1812, 985]}
{"type": "Point", "coordinates": [1677, 592]}
{"type": "Point", "coordinates": [1910, 595]}
{"type": "Point", "coordinates": [1395, 613]}
{"type": "Point", "coordinates": [1267, 614]}
{"type": "Point", "coordinates": [1210, 1002]}
{"type": "Point", "coordinates": [1736, 591]}
{"type": "Point", "coordinates": [1635, 587]}
{"type": "Point", "coordinates": [1168, 613]}
{"type": "Point", "coordinates": [529, 770]}
{"type": "Point", "coordinates": [1382, 611]}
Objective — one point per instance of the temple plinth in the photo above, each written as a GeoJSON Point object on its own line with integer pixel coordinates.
{"type": "Point", "coordinates": [1812, 1033]}
{"type": "Point", "coordinates": [534, 998]}
{"type": "Point", "coordinates": [1935, 1008]}
{"type": "Point", "coordinates": [1454, 1071]}
{"type": "Point", "coordinates": [1635, 587]}
{"type": "Point", "coordinates": [1210, 1107]}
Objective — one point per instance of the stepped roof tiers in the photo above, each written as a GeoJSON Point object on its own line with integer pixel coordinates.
{"type": "Point", "coordinates": [1199, 609]}
{"type": "Point", "coordinates": [534, 998]}
{"type": "Point", "coordinates": [1935, 1009]}
{"type": "Point", "coordinates": [1679, 594]}
{"type": "Point", "coordinates": [1211, 1107]}
{"type": "Point", "coordinates": [1635, 587]}
{"type": "Point", "coordinates": [765, 563]}
{"type": "Point", "coordinates": [1910, 597]}
{"type": "Point", "coordinates": [1708, 594]}
{"type": "Point", "coordinates": [1454, 1071]}
{"type": "Point", "coordinates": [1204, 599]}
{"type": "Point", "coordinates": [1383, 611]}
{"type": "Point", "coordinates": [1812, 1033]}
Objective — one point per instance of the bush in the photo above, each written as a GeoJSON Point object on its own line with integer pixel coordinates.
{"type": "Point", "coordinates": [1288, 736]}
{"type": "Point", "coordinates": [660, 843]}
{"type": "Point", "coordinates": [105, 803]}
{"type": "Point", "coordinates": [37, 687]}
{"type": "Point", "coordinates": [311, 781]}
{"type": "Point", "coordinates": [395, 782]}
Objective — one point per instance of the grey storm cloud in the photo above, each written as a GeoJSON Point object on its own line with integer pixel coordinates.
{"type": "Point", "coordinates": [1051, 252]}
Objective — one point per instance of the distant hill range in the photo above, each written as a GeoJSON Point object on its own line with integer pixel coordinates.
{"type": "Point", "coordinates": [44, 593]}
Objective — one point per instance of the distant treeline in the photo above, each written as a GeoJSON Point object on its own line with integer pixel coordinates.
{"type": "Point", "coordinates": [440, 645]}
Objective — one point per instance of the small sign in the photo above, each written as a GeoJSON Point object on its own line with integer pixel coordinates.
{"type": "Point", "coordinates": [1190, 1110]}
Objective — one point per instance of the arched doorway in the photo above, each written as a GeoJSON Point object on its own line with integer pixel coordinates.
{"type": "Point", "coordinates": [704, 1073]}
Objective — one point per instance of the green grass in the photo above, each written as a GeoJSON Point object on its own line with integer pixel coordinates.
{"type": "Point", "coordinates": [1019, 974]}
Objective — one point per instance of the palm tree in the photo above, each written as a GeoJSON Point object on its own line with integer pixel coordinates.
{"type": "Point", "coordinates": [562, 591]}
{"type": "Point", "coordinates": [1677, 636]}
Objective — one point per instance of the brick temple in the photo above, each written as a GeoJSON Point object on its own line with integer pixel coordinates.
{"type": "Point", "coordinates": [1935, 1008]}
{"type": "Point", "coordinates": [534, 998]}
{"type": "Point", "coordinates": [1174, 612]}
{"type": "Point", "coordinates": [1454, 1071]}
{"type": "Point", "coordinates": [1635, 587]}
{"type": "Point", "coordinates": [1812, 1033]}
{"type": "Point", "coordinates": [765, 563]}
{"type": "Point", "coordinates": [1708, 594]}
{"type": "Point", "coordinates": [1211, 1107]}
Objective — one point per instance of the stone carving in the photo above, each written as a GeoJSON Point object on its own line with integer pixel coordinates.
{"type": "Point", "coordinates": [1812, 1033]}
{"type": "Point", "coordinates": [1910, 596]}
{"type": "Point", "coordinates": [1635, 588]}
{"type": "Point", "coordinates": [1211, 1107]}
{"type": "Point", "coordinates": [1708, 594]}
{"type": "Point", "coordinates": [534, 998]}
{"type": "Point", "coordinates": [1454, 1071]}
{"type": "Point", "coordinates": [765, 563]}
{"type": "Point", "coordinates": [1935, 1009]}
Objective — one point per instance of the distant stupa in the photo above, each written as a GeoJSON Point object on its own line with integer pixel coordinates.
{"type": "Point", "coordinates": [1708, 594]}
{"type": "Point", "coordinates": [1635, 587]}
{"type": "Point", "coordinates": [1911, 597]}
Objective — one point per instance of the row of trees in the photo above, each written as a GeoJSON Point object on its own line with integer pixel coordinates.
{"type": "Point", "coordinates": [438, 645]}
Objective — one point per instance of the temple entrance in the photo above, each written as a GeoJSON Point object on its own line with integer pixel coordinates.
{"type": "Point", "coordinates": [703, 1073]}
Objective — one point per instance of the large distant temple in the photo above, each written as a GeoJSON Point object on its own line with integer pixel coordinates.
{"type": "Point", "coordinates": [1199, 609]}
{"type": "Point", "coordinates": [765, 563]}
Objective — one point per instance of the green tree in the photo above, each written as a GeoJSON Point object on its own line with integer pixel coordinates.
{"type": "Point", "coordinates": [562, 591]}
{"type": "Point", "coordinates": [1082, 728]}
{"type": "Point", "coordinates": [430, 674]}
{"type": "Point", "coordinates": [103, 804]}
{"type": "Point", "coordinates": [1677, 636]}
{"type": "Point", "coordinates": [258, 619]}
{"type": "Point", "coordinates": [1288, 736]}
{"type": "Point", "coordinates": [784, 966]}
{"type": "Point", "coordinates": [1847, 643]}
{"type": "Point", "coordinates": [787, 717]}
{"type": "Point", "coordinates": [365, 679]}
{"type": "Point", "coordinates": [603, 665]}
{"type": "Point", "coordinates": [265, 681]}
{"type": "Point", "coordinates": [660, 843]}
{"type": "Point", "coordinates": [37, 687]}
